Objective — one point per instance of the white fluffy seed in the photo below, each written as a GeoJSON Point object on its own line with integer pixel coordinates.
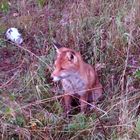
{"type": "Point", "coordinates": [14, 35]}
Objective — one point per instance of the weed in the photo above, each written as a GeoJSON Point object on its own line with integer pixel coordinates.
{"type": "Point", "coordinates": [4, 6]}
{"type": "Point", "coordinates": [105, 32]}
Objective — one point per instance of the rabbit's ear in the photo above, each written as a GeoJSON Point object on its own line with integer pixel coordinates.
{"type": "Point", "coordinates": [71, 57]}
{"type": "Point", "coordinates": [56, 45]}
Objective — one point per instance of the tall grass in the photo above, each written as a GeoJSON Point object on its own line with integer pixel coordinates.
{"type": "Point", "coordinates": [107, 33]}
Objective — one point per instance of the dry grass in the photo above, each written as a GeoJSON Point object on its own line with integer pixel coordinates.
{"type": "Point", "coordinates": [104, 32]}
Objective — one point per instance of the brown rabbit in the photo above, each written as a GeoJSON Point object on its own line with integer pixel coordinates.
{"type": "Point", "coordinates": [77, 78]}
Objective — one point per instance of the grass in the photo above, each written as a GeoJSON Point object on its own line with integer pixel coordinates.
{"type": "Point", "coordinates": [105, 32]}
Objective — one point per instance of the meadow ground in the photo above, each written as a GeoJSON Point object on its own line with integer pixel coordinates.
{"type": "Point", "coordinates": [106, 32]}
